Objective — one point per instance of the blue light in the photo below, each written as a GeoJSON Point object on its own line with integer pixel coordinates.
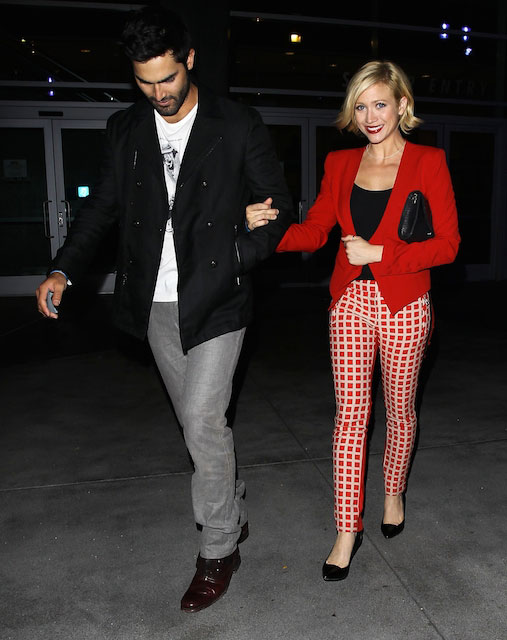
{"type": "Point", "coordinates": [465, 38]}
{"type": "Point", "coordinates": [468, 51]}
{"type": "Point", "coordinates": [83, 192]}
{"type": "Point", "coordinates": [445, 25]}
{"type": "Point", "coordinates": [465, 29]}
{"type": "Point", "coordinates": [444, 36]}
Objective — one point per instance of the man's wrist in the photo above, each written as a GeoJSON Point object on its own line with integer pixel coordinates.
{"type": "Point", "coordinates": [63, 274]}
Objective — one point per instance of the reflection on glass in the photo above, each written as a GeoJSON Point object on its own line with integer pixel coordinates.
{"type": "Point", "coordinates": [82, 151]}
{"type": "Point", "coordinates": [24, 247]}
{"type": "Point", "coordinates": [286, 138]}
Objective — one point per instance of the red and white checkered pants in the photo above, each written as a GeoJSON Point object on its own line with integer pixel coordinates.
{"type": "Point", "coordinates": [360, 326]}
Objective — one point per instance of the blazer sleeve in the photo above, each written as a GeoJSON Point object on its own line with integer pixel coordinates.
{"type": "Point", "coordinates": [399, 257]}
{"type": "Point", "coordinates": [313, 232]}
{"type": "Point", "coordinates": [264, 178]}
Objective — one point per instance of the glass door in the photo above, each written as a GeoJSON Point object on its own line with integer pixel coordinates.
{"type": "Point", "coordinates": [29, 233]}
{"type": "Point", "coordinates": [473, 154]}
{"type": "Point", "coordinates": [324, 138]}
{"type": "Point", "coordinates": [78, 152]}
{"type": "Point", "coordinates": [49, 167]}
{"type": "Point", "coordinates": [290, 139]}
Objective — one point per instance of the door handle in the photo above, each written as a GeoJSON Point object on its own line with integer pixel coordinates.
{"type": "Point", "coordinates": [300, 210]}
{"type": "Point", "coordinates": [67, 209]}
{"type": "Point", "coordinates": [45, 218]}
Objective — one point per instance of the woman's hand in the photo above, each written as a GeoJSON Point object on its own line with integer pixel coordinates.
{"type": "Point", "coordinates": [360, 252]}
{"type": "Point", "coordinates": [259, 214]}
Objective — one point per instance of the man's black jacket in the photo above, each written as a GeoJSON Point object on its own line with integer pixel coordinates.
{"type": "Point", "coordinates": [229, 162]}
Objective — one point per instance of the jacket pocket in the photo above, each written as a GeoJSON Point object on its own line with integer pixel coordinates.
{"type": "Point", "coordinates": [237, 254]}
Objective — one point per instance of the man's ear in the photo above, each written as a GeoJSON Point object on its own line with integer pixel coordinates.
{"type": "Point", "coordinates": [191, 59]}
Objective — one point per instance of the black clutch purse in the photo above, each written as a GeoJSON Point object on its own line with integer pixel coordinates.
{"type": "Point", "coordinates": [415, 222]}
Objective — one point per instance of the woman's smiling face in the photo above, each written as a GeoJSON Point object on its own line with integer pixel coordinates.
{"type": "Point", "coordinates": [377, 112]}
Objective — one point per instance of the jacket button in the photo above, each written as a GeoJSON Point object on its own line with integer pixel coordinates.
{"type": "Point", "coordinates": [138, 183]}
{"type": "Point", "coordinates": [213, 264]}
{"type": "Point", "coordinates": [136, 223]}
{"type": "Point", "coordinates": [204, 184]}
{"type": "Point", "coordinates": [209, 223]}
{"type": "Point", "coordinates": [124, 279]}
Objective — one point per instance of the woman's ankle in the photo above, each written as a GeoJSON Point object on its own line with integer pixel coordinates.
{"type": "Point", "coordinates": [394, 509]}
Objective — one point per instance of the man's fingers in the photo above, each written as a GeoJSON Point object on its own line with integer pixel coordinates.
{"type": "Point", "coordinates": [42, 305]}
{"type": "Point", "coordinates": [55, 284]}
{"type": "Point", "coordinates": [57, 296]}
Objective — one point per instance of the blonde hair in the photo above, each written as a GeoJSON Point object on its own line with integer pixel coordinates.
{"type": "Point", "coordinates": [369, 74]}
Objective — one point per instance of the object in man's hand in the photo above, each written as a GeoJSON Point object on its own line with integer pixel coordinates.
{"type": "Point", "coordinates": [49, 301]}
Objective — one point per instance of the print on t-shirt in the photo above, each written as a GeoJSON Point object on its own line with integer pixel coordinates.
{"type": "Point", "coordinates": [171, 159]}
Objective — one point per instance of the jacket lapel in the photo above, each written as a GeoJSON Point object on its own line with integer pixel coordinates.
{"type": "Point", "coordinates": [206, 133]}
{"type": "Point", "coordinates": [145, 141]}
{"type": "Point", "coordinates": [146, 163]}
{"type": "Point", "coordinates": [399, 193]}
{"type": "Point", "coordinates": [348, 178]}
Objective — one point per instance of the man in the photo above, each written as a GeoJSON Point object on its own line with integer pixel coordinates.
{"type": "Point", "coordinates": [179, 169]}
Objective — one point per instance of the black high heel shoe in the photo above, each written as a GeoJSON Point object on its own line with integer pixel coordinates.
{"type": "Point", "coordinates": [393, 530]}
{"type": "Point", "coordinates": [332, 572]}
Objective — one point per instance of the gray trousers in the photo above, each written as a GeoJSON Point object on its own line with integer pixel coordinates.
{"type": "Point", "coordinates": [199, 384]}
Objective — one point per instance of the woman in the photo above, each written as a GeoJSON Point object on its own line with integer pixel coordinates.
{"type": "Point", "coordinates": [379, 287]}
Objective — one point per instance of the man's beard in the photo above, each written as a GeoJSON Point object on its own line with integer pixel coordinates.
{"type": "Point", "coordinates": [177, 101]}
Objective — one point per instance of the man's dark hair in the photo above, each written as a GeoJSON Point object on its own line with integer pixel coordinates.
{"type": "Point", "coordinates": [152, 31]}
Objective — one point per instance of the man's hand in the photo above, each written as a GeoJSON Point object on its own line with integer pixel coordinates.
{"type": "Point", "coordinates": [57, 283]}
{"type": "Point", "coordinates": [259, 214]}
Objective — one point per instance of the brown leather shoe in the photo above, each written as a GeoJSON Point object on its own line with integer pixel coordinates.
{"type": "Point", "coordinates": [210, 581]}
{"type": "Point", "coordinates": [244, 533]}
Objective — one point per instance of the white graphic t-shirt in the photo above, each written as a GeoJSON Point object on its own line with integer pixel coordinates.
{"type": "Point", "coordinates": [173, 138]}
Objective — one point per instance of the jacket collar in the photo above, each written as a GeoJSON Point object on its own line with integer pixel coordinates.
{"type": "Point", "coordinates": [207, 132]}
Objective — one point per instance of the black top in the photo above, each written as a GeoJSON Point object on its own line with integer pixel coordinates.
{"type": "Point", "coordinates": [367, 208]}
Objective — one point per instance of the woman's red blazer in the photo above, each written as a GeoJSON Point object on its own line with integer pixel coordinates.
{"type": "Point", "coordinates": [403, 274]}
